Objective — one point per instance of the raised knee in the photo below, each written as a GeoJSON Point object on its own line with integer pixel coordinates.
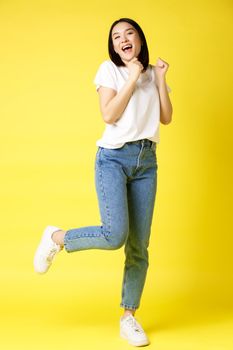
{"type": "Point", "coordinates": [118, 244]}
{"type": "Point", "coordinates": [117, 240]}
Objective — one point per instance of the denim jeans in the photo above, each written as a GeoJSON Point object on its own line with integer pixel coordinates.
{"type": "Point", "coordinates": [126, 181]}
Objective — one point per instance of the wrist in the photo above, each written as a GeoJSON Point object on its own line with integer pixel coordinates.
{"type": "Point", "coordinates": [161, 84]}
{"type": "Point", "coordinates": [132, 82]}
{"type": "Point", "coordinates": [131, 79]}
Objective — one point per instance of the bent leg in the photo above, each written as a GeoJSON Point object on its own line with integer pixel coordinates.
{"type": "Point", "coordinates": [110, 181]}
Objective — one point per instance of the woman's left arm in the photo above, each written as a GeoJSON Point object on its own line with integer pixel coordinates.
{"type": "Point", "coordinates": [166, 109]}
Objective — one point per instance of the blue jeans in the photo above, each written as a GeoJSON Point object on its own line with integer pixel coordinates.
{"type": "Point", "coordinates": [126, 181]}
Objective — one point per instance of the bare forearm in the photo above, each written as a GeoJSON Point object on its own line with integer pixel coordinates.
{"type": "Point", "coordinates": [117, 105]}
{"type": "Point", "coordinates": [165, 104]}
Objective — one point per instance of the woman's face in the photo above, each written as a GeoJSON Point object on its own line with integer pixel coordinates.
{"type": "Point", "coordinates": [126, 41]}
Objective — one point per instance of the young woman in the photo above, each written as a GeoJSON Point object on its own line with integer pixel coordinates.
{"type": "Point", "coordinates": [134, 99]}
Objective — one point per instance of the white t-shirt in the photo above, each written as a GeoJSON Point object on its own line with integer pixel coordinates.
{"type": "Point", "coordinates": [141, 117]}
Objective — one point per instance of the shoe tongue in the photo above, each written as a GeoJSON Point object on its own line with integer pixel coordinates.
{"type": "Point", "coordinates": [127, 317]}
{"type": "Point", "coordinates": [130, 319]}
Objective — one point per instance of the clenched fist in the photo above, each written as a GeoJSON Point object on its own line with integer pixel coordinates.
{"type": "Point", "coordinates": [160, 69]}
{"type": "Point", "coordinates": [135, 69]}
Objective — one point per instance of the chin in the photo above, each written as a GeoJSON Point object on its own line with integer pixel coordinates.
{"type": "Point", "coordinates": [129, 58]}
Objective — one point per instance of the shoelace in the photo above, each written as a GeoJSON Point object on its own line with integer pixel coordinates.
{"type": "Point", "coordinates": [50, 254]}
{"type": "Point", "coordinates": [133, 323]}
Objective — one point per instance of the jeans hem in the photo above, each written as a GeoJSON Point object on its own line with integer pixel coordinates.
{"type": "Point", "coordinates": [66, 244]}
{"type": "Point", "coordinates": [130, 307]}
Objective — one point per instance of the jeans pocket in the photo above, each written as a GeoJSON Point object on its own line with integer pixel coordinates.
{"type": "Point", "coordinates": [97, 155]}
{"type": "Point", "coordinates": [99, 150]}
{"type": "Point", "coordinates": [153, 149]}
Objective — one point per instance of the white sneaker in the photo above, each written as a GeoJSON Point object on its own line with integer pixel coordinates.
{"type": "Point", "coordinates": [46, 250]}
{"type": "Point", "coordinates": [132, 331]}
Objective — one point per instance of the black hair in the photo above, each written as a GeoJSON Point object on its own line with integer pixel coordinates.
{"type": "Point", "coordinates": [143, 56]}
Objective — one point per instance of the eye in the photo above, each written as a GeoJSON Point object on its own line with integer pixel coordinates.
{"type": "Point", "coordinates": [116, 37]}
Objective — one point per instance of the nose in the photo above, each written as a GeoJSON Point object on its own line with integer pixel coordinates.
{"type": "Point", "coordinates": [124, 38]}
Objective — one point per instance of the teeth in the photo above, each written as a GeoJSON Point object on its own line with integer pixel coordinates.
{"type": "Point", "coordinates": [127, 46]}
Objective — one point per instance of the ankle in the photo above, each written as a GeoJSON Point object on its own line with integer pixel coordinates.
{"type": "Point", "coordinates": [58, 237]}
{"type": "Point", "coordinates": [128, 312]}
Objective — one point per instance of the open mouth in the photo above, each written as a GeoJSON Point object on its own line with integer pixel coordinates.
{"type": "Point", "coordinates": [127, 48]}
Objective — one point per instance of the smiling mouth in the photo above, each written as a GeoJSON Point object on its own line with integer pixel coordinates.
{"type": "Point", "coordinates": [127, 48]}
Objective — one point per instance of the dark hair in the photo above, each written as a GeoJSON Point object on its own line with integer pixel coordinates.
{"type": "Point", "coordinates": [143, 56]}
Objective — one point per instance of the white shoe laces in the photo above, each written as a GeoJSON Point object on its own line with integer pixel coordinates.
{"type": "Point", "coordinates": [131, 322]}
{"type": "Point", "coordinates": [49, 254]}
{"type": "Point", "coordinates": [52, 252]}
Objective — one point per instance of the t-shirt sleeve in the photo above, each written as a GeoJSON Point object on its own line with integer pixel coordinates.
{"type": "Point", "coordinates": [105, 76]}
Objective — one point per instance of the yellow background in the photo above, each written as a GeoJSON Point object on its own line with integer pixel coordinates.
{"type": "Point", "coordinates": [50, 121]}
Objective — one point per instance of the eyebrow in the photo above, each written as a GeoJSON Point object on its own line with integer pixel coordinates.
{"type": "Point", "coordinates": [125, 30]}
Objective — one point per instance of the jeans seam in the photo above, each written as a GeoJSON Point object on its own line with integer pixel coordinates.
{"type": "Point", "coordinates": [108, 216]}
{"type": "Point", "coordinates": [81, 235]}
{"type": "Point", "coordinates": [138, 159]}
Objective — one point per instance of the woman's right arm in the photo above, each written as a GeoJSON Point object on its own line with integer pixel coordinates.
{"type": "Point", "coordinates": [113, 104]}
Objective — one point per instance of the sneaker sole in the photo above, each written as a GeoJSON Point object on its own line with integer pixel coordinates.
{"type": "Point", "coordinates": [131, 342]}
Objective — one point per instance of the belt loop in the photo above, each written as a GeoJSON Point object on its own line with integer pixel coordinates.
{"type": "Point", "coordinates": [153, 145]}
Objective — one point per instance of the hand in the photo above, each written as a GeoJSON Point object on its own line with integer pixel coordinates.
{"type": "Point", "coordinates": [160, 70]}
{"type": "Point", "coordinates": [135, 69]}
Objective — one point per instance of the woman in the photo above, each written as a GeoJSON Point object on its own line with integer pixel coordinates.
{"type": "Point", "coordinates": [134, 99]}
